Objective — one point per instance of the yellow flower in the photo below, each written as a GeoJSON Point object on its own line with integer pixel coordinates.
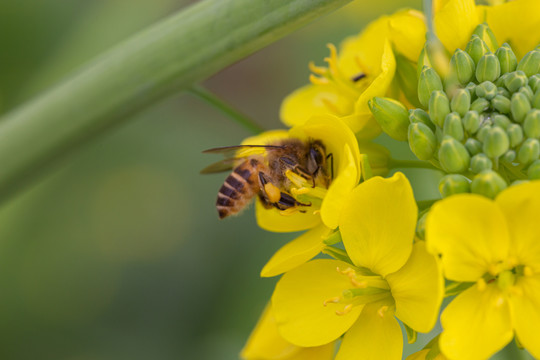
{"type": "Point", "coordinates": [323, 214]}
{"type": "Point", "coordinates": [265, 343]}
{"type": "Point", "coordinates": [387, 277]}
{"type": "Point", "coordinates": [496, 246]}
{"type": "Point", "coordinates": [364, 68]}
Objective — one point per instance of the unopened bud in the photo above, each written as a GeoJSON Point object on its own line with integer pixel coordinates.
{"type": "Point", "coordinates": [453, 126]}
{"type": "Point", "coordinates": [421, 116]}
{"type": "Point", "coordinates": [454, 184]}
{"type": "Point", "coordinates": [476, 48]}
{"type": "Point", "coordinates": [422, 141]}
{"type": "Point", "coordinates": [534, 82]}
{"type": "Point", "coordinates": [536, 100]}
{"type": "Point", "coordinates": [421, 226]}
{"type": "Point", "coordinates": [507, 58]}
{"type": "Point", "coordinates": [428, 82]}
{"type": "Point", "coordinates": [533, 172]}
{"type": "Point", "coordinates": [530, 63]}
{"type": "Point", "coordinates": [423, 60]}
{"type": "Point", "coordinates": [439, 107]}
{"type": "Point", "coordinates": [461, 102]}
{"type": "Point", "coordinates": [453, 155]}
{"type": "Point", "coordinates": [501, 104]}
{"type": "Point", "coordinates": [509, 156]}
{"type": "Point", "coordinates": [473, 146]}
{"type": "Point", "coordinates": [501, 121]}
{"type": "Point", "coordinates": [488, 183]}
{"type": "Point", "coordinates": [514, 80]}
{"type": "Point", "coordinates": [462, 67]}
{"type": "Point", "coordinates": [529, 151]}
{"type": "Point", "coordinates": [519, 106]}
{"type": "Point", "coordinates": [527, 91]}
{"type": "Point", "coordinates": [496, 142]}
{"type": "Point", "coordinates": [488, 68]}
{"type": "Point", "coordinates": [391, 115]}
{"type": "Point", "coordinates": [482, 133]}
{"type": "Point", "coordinates": [471, 122]}
{"type": "Point", "coordinates": [531, 124]}
{"type": "Point", "coordinates": [503, 92]}
{"type": "Point", "coordinates": [484, 32]}
{"type": "Point", "coordinates": [480, 105]}
{"type": "Point", "coordinates": [515, 134]}
{"type": "Point", "coordinates": [471, 87]}
{"type": "Point", "coordinates": [480, 162]}
{"type": "Point", "coordinates": [487, 90]}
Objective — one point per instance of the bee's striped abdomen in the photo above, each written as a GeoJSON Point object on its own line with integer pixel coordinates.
{"type": "Point", "coordinates": [237, 190]}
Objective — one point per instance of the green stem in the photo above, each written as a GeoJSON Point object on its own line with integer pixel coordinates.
{"type": "Point", "coordinates": [424, 204]}
{"type": "Point", "coordinates": [418, 164]}
{"type": "Point", "coordinates": [219, 104]}
{"type": "Point", "coordinates": [168, 57]}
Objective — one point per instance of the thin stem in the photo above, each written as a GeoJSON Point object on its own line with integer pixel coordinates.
{"type": "Point", "coordinates": [424, 204]}
{"type": "Point", "coordinates": [227, 109]}
{"type": "Point", "coordinates": [415, 164]}
{"type": "Point", "coordinates": [428, 10]}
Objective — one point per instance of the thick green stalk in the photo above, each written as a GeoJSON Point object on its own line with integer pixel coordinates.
{"type": "Point", "coordinates": [168, 57]}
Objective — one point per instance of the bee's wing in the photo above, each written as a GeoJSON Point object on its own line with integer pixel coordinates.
{"type": "Point", "coordinates": [220, 166]}
{"type": "Point", "coordinates": [241, 150]}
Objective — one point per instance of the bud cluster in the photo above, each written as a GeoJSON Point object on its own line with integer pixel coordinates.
{"type": "Point", "coordinates": [481, 122]}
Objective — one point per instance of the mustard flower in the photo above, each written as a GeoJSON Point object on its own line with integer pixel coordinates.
{"type": "Point", "coordinates": [387, 277]}
{"type": "Point", "coordinates": [364, 68]}
{"type": "Point", "coordinates": [495, 246]}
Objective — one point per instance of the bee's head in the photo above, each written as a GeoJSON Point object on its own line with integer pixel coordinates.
{"type": "Point", "coordinates": [316, 157]}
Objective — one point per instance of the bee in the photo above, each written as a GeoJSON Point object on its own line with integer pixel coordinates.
{"type": "Point", "coordinates": [263, 173]}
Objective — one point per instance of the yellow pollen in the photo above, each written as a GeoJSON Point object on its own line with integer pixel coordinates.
{"type": "Point", "coordinates": [347, 309]}
{"type": "Point", "coordinates": [382, 310]}
{"type": "Point", "coordinates": [527, 271]}
{"type": "Point", "coordinates": [333, 300]}
{"type": "Point", "coordinates": [300, 191]}
{"type": "Point", "coordinates": [296, 179]}
{"type": "Point", "coordinates": [289, 211]}
{"type": "Point", "coordinates": [481, 283]}
{"type": "Point", "coordinates": [316, 211]}
{"type": "Point", "coordinates": [358, 284]}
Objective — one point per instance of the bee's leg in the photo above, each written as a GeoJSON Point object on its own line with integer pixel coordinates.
{"type": "Point", "coordinates": [331, 157]}
{"type": "Point", "coordinates": [264, 201]}
{"type": "Point", "coordinates": [295, 167]}
{"type": "Point", "coordinates": [287, 201]}
{"type": "Point", "coordinates": [269, 192]}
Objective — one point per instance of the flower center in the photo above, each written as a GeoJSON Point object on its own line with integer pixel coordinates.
{"type": "Point", "coordinates": [504, 278]}
{"type": "Point", "coordinates": [365, 289]}
{"type": "Point", "coordinates": [303, 191]}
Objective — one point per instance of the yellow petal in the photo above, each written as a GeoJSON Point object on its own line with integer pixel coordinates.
{"type": "Point", "coordinates": [379, 85]}
{"type": "Point", "coordinates": [372, 337]}
{"type": "Point", "coordinates": [455, 22]}
{"type": "Point", "coordinates": [378, 223]}
{"type": "Point", "coordinates": [476, 324]}
{"type": "Point", "coordinates": [367, 128]}
{"type": "Point", "coordinates": [324, 352]}
{"type": "Point", "coordinates": [265, 341]}
{"type": "Point", "coordinates": [418, 289]}
{"type": "Point", "coordinates": [340, 189]}
{"type": "Point", "coordinates": [311, 100]}
{"type": "Point", "coordinates": [521, 206]}
{"type": "Point", "coordinates": [267, 137]}
{"type": "Point", "coordinates": [515, 22]}
{"type": "Point", "coordinates": [419, 355]}
{"type": "Point", "coordinates": [408, 32]}
{"type": "Point", "coordinates": [299, 298]}
{"type": "Point", "coordinates": [296, 252]}
{"type": "Point", "coordinates": [525, 306]}
{"type": "Point", "coordinates": [273, 220]}
{"type": "Point", "coordinates": [471, 234]}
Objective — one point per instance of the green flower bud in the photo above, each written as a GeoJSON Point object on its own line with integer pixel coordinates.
{"type": "Point", "coordinates": [529, 151]}
{"type": "Point", "coordinates": [527, 91]}
{"type": "Point", "coordinates": [391, 115]}
{"type": "Point", "coordinates": [533, 172]}
{"type": "Point", "coordinates": [454, 184]}
{"type": "Point", "coordinates": [496, 142]}
{"type": "Point", "coordinates": [500, 81]}
{"type": "Point", "coordinates": [480, 105]}
{"type": "Point", "coordinates": [439, 107]}
{"type": "Point", "coordinates": [518, 182]}
{"type": "Point", "coordinates": [488, 68]}
{"type": "Point", "coordinates": [503, 92]}
{"type": "Point", "coordinates": [473, 146]}
{"type": "Point", "coordinates": [422, 141]}
{"type": "Point", "coordinates": [487, 90]}
{"type": "Point", "coordinates": [536, 100]}
{"type": "Point", "coordinates": [488, 183]}
{"type": "Point", "coordinates": [530, 64]}
{"type": "Point", "coordinates": [484, 32]}
{"type": "Point", "coordinates": [519, 106]}
{"type": "Point", "coordinates": [482, 133]}
{"type": "Point", "coordinates": [462, 67]}
{"type": "Point", "coordinates": [515, 134]}
{"type": "Point", "coordinates": [429, 81]}
{"type": "Point", "coordinates": [453, 126]}
{"type": "Point", "coordinates": [507, 58]}
{"type": "Point", "coordinates": [514, 80]}
{"type": "Point", "coordinates": [471, 121]}
{"type": "Point", "coordinates": [421, 116]}
{"type": "Point", "coordinates": [501, 104]}
{"type": "Point", "coordinates": [509, 156]}
{"type": "Point", "coordinates": [421, 226]}
{"type": "Point", "coordinates": [461, 102]}
{"type": "Point", "coordinates": [480, 162]}
{"type": "Point", "coordinates": [453, 155]}
{"type": "Point", "coordinates": [534, 82]}
{"type": "Point", "coordinates": [531, 124]}
{"type": "Point", "coordinates": [476, 48]}
{"type": "Point", "coordinates": [471, 87]}
{"type": "Point", "coordinates": [423, 60]}
{"type": "Point", "coordinates": [407, 79]}
{"type": "Point", "coordinates": [501, 121]}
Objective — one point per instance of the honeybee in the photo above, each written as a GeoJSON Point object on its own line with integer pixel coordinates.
{"type": "Point", "coordinates": [264, 174]}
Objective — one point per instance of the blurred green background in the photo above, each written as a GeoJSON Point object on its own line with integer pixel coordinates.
{"type": "Point", "coordinates": [118, 252]}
